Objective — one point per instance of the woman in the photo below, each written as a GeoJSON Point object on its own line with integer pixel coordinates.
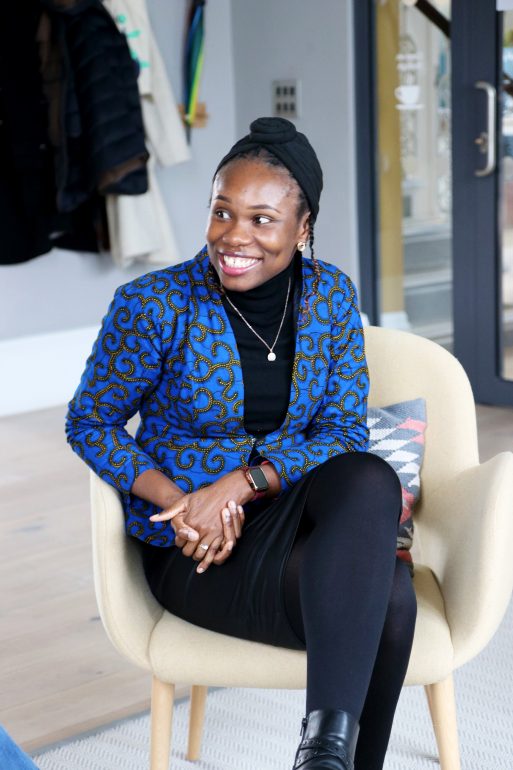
{"type": "Point", "coordinates": [258, 510]}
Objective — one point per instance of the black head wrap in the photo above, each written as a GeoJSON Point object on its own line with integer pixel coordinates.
{"type": "Point", "coordinates": [280, 137]}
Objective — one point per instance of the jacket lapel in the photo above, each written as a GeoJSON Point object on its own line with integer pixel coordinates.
{"type": "Point", "coordinates": [210, 313]}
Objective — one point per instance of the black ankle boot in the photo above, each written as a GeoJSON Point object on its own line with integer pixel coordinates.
{"type": "Point", "coordinates": [328, 741]}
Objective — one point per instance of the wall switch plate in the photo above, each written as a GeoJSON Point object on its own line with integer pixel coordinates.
{"type": "Point", "coordinates": [286, 97]}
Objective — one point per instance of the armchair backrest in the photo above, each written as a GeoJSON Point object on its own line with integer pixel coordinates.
{"type": "Point", "coordinates": [403, 366]}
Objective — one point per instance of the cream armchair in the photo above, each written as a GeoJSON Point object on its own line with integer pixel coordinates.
{"type": "Point", "coordinates": [464, 564]}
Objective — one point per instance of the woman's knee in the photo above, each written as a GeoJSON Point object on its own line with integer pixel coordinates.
{"type": "Point", "coordinates": [363, 473]}
{"type": "Point", "coordinates": [357, 492]}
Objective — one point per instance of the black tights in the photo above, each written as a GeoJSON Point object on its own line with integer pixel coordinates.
{"type": "Point", "coordinates": [351, 600]}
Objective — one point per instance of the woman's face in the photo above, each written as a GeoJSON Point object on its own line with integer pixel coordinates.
{"type": "Point", "coordinates": [253, 227]}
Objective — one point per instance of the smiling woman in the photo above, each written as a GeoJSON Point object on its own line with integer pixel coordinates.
{"type": "Point", "coordinates": [248, 486]}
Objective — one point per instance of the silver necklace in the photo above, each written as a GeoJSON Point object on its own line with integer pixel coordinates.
{"type": "Point", "coordinates": [271, 356]}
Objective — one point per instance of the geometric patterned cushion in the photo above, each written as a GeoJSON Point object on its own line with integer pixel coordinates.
{"type": "Point", "coordinates": [397, 435]}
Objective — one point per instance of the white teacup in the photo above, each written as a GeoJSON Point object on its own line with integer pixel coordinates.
{"type": "Point", "coordinates": [408, 94]}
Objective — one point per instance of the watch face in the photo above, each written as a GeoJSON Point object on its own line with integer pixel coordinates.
{"type": "Point", "coordinates": [259, 479]}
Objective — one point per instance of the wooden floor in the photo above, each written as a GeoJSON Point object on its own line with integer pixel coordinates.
{"type": "Point", "coordinates": [59, 675]}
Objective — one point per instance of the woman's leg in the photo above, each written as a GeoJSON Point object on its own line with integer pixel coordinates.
{"type": "Point", "coordinates": [346, 567]}
{"type": "Point", "coordinates": [388, 673]}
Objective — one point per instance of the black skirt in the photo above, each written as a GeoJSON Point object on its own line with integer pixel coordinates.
{"type": "Point", "coordinates": [244, 597]}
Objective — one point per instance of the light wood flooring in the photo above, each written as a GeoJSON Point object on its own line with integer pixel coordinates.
{"type": "Point", "coordinates": [59, 675]}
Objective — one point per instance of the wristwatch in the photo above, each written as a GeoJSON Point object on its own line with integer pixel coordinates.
{"type": "Point", "coordinates": [257, 481]}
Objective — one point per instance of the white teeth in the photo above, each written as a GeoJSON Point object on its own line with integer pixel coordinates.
{"type": "Point", "coordinates": [239, 261]}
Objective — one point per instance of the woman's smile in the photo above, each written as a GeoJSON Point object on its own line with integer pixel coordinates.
{"type": "Point", "coordinates": [235, 264]}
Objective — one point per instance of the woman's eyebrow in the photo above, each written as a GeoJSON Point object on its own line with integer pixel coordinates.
{"type": "Point", "coordinates": [264, 206]}
{"type": "Point", "coordinates": [224, 198]}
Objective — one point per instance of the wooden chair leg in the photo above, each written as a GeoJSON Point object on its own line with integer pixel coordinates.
{"type": "Point", "coordinates": [162, 701]}
{"type": "Point", "coordinates": [196, 717]}
{"type": "Point", "coordinates": [442, 707]}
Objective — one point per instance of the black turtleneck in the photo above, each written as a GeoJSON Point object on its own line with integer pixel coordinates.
{"type": "Point", "coordinates": [266, 383]}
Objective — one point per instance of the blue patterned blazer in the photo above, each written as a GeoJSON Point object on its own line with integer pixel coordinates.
{"type": "Point", "coordinates": [166, 350]}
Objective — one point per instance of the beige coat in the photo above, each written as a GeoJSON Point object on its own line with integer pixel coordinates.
{"type": "Point", "coordinates": [139, 226]}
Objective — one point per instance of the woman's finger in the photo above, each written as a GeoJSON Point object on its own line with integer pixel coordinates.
{"type": "Point", "coordinates": [193, 537]}
{"type": "Point", "coordinates": [228, 528]}
{"type": "Point", "coordinates": [242, 516]}
{"type": "Point", "coordinates": [184, 532]}
{"type": "Point", "coordinates": [223, 553]}
{"type": "Point", "coordinates": [183, 529]}
{"type": "Point", "coordinates": [209, 555]}
{"type": "Point", "coordinates": [171, 512]}
{"type": "Point", "coordinates": [232, 506]}
{"type": "Point", "coordinates": [190, 548]}
{"type": "Point", "coordinates": [184, 535]}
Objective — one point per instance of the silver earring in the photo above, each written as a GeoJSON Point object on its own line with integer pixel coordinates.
{"type": "Point", "coordinates": [301, 246]}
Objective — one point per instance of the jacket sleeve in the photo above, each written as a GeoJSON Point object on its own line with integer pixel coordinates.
{"type": "Point", "coordinates": [339, 425]}
{"type": "Point", "coordinates": [124, 366]}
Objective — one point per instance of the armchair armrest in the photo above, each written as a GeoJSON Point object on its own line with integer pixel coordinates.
{"type": "Point", "coordinates": [466, 538]}
{"type": "Point", "coordinates": [128, 610]}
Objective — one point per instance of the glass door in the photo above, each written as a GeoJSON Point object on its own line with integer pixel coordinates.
{"type": "Point", "coordinates": [435, 177]}
{"type": "Point", "coordinates": [414, 167]}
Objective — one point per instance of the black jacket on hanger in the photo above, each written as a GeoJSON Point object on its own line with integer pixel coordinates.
{"type": "Point", "coordinates": [66, 140]}
{"type": "Point", "coordinates": [90, 80]}
{"type": "Point", "coordinates": [26, 164]}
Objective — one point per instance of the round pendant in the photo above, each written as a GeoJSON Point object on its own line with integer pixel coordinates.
{"type": "Point", "coordinates": [271, 356]}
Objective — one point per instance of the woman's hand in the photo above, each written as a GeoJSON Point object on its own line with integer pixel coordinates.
{"type": "Point", "coordinates": [200, 512]}
{"type": "Point", "coordinates": [232, 517]}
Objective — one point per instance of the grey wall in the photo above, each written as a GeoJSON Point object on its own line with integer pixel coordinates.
{"type": "Point", "coordinates": [67, 290]}
{"type": "Point", "coordinates": [311, 41]}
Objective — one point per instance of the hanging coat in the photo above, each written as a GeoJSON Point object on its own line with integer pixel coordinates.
{"type": "Point", "coordinates": [96, 122]}
{"type": "Point", "coordinates": [26, 172]}
{"type": "Point", "coordinates": [139, 227]}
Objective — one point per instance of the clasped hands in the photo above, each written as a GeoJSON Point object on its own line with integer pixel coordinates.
{"type": "Point", "coordinates": [211, 516]}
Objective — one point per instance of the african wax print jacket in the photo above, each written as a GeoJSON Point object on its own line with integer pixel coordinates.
{"type": "Point", "coordinates": [166, 350]}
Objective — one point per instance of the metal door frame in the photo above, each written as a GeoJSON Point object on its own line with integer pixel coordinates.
{"type": "Point", "coordinates": [476, 238]}
{"type": "Point", "coordinates": [366, 161]}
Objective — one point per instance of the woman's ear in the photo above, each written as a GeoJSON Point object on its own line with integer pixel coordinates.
{"type": "Point", "coordinates": [304, 227]}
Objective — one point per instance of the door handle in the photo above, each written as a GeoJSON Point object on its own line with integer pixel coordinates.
{"type": "Point", "coordinates": [486, 140]}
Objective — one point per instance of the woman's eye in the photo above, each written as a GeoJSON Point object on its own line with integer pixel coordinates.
{"type": "Point", "coordinates": [262, 220]}
{"type": "Point", "coordinates": [221, 214]}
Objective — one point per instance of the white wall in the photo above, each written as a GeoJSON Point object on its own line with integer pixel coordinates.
{"type": "Point", "coordinates": [313, 42]}
{"type": "Point", "coordinates": [66, 290]}
{"type": "Point", "coordinates": [51, 307]}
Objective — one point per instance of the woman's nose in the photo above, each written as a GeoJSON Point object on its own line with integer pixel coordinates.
{"type": "Point", "coordinates": [237, 234]}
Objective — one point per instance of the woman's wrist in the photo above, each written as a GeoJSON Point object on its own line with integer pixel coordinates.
{"type": "Point", "coordinates": [273, 480]}
{"type": "Point", "coordinates": [244, 492]}
{"type": "Point", "coordinates": [152, 485]}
